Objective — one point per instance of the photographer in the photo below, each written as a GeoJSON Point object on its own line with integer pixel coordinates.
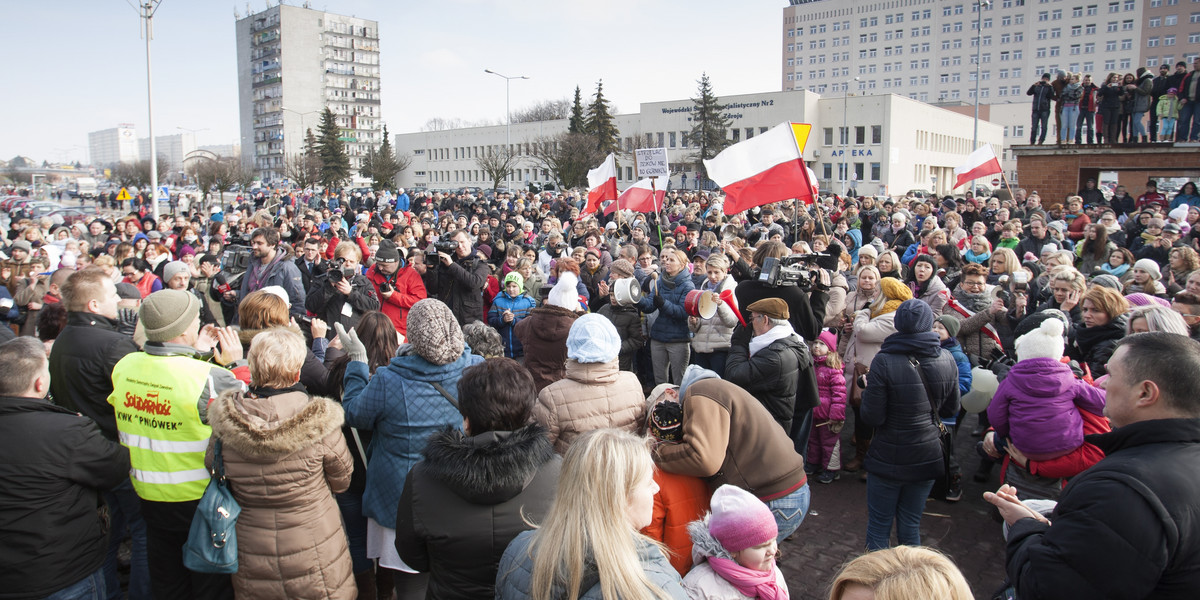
{"type": "Point", "coordinates": [397, 284]}
{"type": "Point", "coordinates": [1043, 95]}
{"type": "Point", "coordinates": [458, 279]}
{"type": "Point", "coordinates": [343, 293]}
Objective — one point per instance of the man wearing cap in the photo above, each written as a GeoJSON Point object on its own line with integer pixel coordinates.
{"type": "Point", "coordinates": [160, 399]}
{"type": "Point", "coordinates": [397, 285]}
{"type": "Point", "coordinates": [769, 365]}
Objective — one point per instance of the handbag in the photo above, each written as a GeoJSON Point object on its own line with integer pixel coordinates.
{"type": "Point", "coordinates": [212, 540]}
{"type": "Point", "coordinates": [941, 484]}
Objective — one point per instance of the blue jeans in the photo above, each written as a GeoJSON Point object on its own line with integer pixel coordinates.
{"type": "Point", "coordinates": [1188, 127]}
{"type": "Point", "coordinates": [1070, 118]}
{"type": "Point", "coordinates": [1137, 126]}
{"type": "Point", "coordinates": [901, 502]}
{"type": "Point", "coordinates": [789, 511]}
{"type": "Point", "coordinates": [88, 588]}
{"type": "Point", "coordinates": [713, 361]}
{"type": "Point", "coordinates": [1087, 118]}
{"type": "Point", "coordinates": [125, 512]}
{"type": "Point", "coordinates": [350, 504]}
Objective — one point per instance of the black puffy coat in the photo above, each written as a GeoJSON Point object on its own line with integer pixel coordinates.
{"type": "Point", "coordinates": [467, 500]}
{"type": "Point", "coordinates": [906, 446]}
{"type": "Point", "coordinates": [81, 365]}
{"type": "Point", "coordinates": [55, 465]}
{"type": "Point", "coordinates": [460, 285]}
{"type": "Point", "coordinates": [1127, 527]}
{"type": "Point", "coordinates": [324, 301]}
{"type": "Point", "coordinates": [772, 375]}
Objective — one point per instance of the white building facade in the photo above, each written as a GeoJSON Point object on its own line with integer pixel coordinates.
{"type": "Point", "coordinates": [172, 148]}
{"type": "Point", "coordinates": [886, 144]}
{"type": "Point", "coordinates": [110, 147]}
{"type": "Point", "coordinates": [293, 62]}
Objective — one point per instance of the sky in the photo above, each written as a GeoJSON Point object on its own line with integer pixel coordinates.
{"type": "Point", "coordinates": [76, 66]}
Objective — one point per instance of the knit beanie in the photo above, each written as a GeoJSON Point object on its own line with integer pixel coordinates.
{"type": "Point", "coordinates": [894, 289]}
{"type": "Point", "coordinates": [739, 520]}
{"type": "Point", "coordinates": [829, 339]}
{"type": "Point", "coordinates": [434, 333]}
{"type": "Point", "coordinates": [593, 339]}
{"type": "Point", "coordinates": [564, 294]}
{"type": "Point", "coordinates": [1046, 341]}
{"type": "Point", "coordinates": [515, 276]}
{"type": "Point", "coordinates": [664, 420]}
{"type": "Point", "coordinates": [1140, 299]}
{"type": "Point", "coordinates": [951, 323]}
{"type": "Point", "coordinates": [1108, 281]}
{"type": "Point", "coordinates": [621, 268]}
{"type": "Point", "coordinates": [172, 269]}
{"type": "Point", "coordinates": [1035, 320]}
{"type": "Point", "coordinates": [1150, 267]}
{"type": "Point", "coordinates": [166, 314]}
{"type": "Point", "coordinates": [914, 316]}
{"type": "Point", "coordinates": [387, 252]}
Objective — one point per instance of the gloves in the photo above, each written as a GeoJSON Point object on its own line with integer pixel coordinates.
{"type": "Point", "coordinates": [658, 301]}
{"type": "Point", "coordinates": [836, 426]}
{"type": "Point", "coordinates": [351, 344]}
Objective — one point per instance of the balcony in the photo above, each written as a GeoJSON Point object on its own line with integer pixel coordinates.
{"type": "Point", "coordinates": [268, 81]}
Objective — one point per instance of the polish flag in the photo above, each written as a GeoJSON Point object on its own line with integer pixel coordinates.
{"type": "Point", "coordinates": [602, 184]}
{"type": "Point", "coordinates": [639, 198]}
{"type": "Point", "coordinates": [764, 169]}
{"type": "Point", "coordinates": [981, 163]}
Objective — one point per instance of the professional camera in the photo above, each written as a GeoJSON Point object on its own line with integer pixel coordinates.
{"type": "Point", "coordinates": [341, 271]}
{"type": "Point", "coordinates": [446, 246]}
{"type": "Point", "coordinates": [234, 262]}
{"type": "Point", "coordinates": [794, 269]}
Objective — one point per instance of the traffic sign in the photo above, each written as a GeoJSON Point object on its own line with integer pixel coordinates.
{"type": "Point", "coordinates": [164, 192]}
{"type": "Point", "coordinates": [995, 182]}
{"type": "Point", "coordinates": [124, 195]}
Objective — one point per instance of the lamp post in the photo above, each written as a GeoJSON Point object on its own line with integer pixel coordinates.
{"type": "Point", "coordinates": [845, 132]}
{"type": "Point", "coordinates": [507, 111]}
{"type": "Point", "coordinates": [146, 10]}
{"type": "Point", "coordinates": [979, 6]}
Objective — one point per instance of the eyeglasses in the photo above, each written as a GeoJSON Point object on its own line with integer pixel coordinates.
{"type": "Point", "coordinates": [974, 284]}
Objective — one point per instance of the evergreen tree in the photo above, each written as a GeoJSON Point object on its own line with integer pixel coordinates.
{"type": "Point", "coordinates": [384, 165]}
{"type": "Point", "coordinates": [600, 123]}
{"type": "Point", "coordinates": [335, 163]}
{"type": "Point", "coordinates": [577, 124]}
{"type": "Point", "coordinates": [709, 124]}
{"type": "Point", "coordinates": [310, 144]}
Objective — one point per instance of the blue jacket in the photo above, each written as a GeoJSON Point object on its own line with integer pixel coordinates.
{"type": "Point", "coordinates": [520, 307]}
{"type": "Point", "coordinates": [964, 372]}
{"type": "Point", "coordinates": [402, 408]}
{"type": "Point", "coordinates": [671, 324]}
{"type": "Point", "coordinates": [1181, 199]}
{"type": "Point", "coordinates": [402, 202]}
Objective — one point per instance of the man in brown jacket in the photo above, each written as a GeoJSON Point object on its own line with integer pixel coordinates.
{"type": "Point", "coordinates": [729, 437]}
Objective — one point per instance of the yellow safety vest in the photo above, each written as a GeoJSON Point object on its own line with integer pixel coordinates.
{"type": "Point", "coordinates": [154, 399]}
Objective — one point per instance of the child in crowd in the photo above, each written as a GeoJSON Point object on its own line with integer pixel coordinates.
{"type": "Point", "coordinates": [830, 415]}
{"type": "Point", "coordinates": [735, 550]}
{"type": "Point", "coordinates": [979, 252]}
{"type": "Point", "coordinates": [1168, 112]}
{"type": "Point", "coordinates": [627, 319]}
{"type": "Point", "coordinates": [508, 308]}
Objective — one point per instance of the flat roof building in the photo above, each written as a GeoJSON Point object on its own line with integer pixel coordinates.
{"type": "Point", "coordinates": [109, 147]}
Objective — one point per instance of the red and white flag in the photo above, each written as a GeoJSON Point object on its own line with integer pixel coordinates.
{"type": "Point", "coordinates": [764, 169]}
{"type": "Point", "coordinates": [980, 163]}
{"type": "Point", "coordinates": [602, 184]}
{"type": "Point", "coordinates": [639, 198]}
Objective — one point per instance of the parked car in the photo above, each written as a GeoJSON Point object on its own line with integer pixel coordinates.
{"type": "Point", "coordinates": [73, 215]}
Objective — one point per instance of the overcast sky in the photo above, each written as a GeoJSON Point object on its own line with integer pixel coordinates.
{"type": "Point", "coordinates": [75, 66]}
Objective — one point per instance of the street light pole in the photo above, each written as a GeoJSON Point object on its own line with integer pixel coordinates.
{"type": "Point", "coordinates": [507, 108]}
{"type": "Point", "coordinates": [845, 132]}
{"type": "Point", "coordinates": [146, 12]}
{"type": "Point", "coordinates": [980, 5]}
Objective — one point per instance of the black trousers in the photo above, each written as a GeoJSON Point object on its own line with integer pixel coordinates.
{"type": "Point", "coordinates": [167, 525]}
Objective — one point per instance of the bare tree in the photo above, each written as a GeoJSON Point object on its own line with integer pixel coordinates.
{"type": "Point", "coordinates": [441, 124]}
{"type": "Point", "coordinates": [304, 170]}
{"type": "Point", "coordinates": [567, 156]}
{"type": "Point", "coordinates": [496, 164]}
{"type": "Point", "coordinates": [546, 110]}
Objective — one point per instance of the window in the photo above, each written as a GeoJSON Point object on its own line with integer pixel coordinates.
{"type": "Point", "coordinates": [1168, 40]}
{"type": "Point", "coordinates": [1194, 38]}
{"type": "Point", "coordinates": [1127, 25]}
{"type": "Point", "coordinates": [860, 135]}
{"type": "Point", "coordinates": [1056, 15]}
{"type": "Point", "coordinates": [1114, 7]}
{"type": "Point", "coordinates": [1044, 15]}
{"type": "Point", "coordinates": [1054, 51]}
{"type": "Point", "coordinates": [826, 170]}
{"type": "Point", "coordinates": [1076, 30]}
{"type": "Point", "coordinates": [1170, 20]}
{"type": "Point", "coordinates": [1130, 4]}
{"type": "Point", "coordinates": [1110, 46]}
{"type": "Point", "coordinates": [1056, 32]}
{"type": "Point", "coordinates": [1076, 49]}
{"type": "Point", "coordinates": [876, 134]}
{"type": "Point", "coordinates": [1152, 42]}
{"type": "Point", "coordinates": [1042, 34]}
{"type": "Point", "coordinates": [672, 139]}
{"type": "Point", "coordinates": [1092, 10]}
{"type": "Point", "coordinates": [1155, 22]}
{"type": "Point", "coordinates": [1111, 27]}
{"type": "Point", "coordinates": [875, 171]}
{"type": "Point", "coordinates": [1109, 65]}
{"type": "Point", "coordinates": [828, 136]}
{"type": "Point", "coordinates": [1077, 12]}
{"type": "Point", "coordinates": [1089, 29]}
{"type": "Point", "coordinates": [1089, 48]}
{"type": "Point", "coordinates": [1125, 62]}
{"type": "Point", "coordinates": [1126, 44]}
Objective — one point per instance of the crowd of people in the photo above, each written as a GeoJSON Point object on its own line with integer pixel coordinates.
{"type": "Point", "coordinates": [451, 396]}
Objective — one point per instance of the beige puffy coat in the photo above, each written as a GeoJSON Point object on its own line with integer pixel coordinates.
{"type": "Point", "coordinates": [592, 396]}
{"type": "Point", "coordinates": [285, 457]}
{"type": "Point", "coordinates": [714, 333]}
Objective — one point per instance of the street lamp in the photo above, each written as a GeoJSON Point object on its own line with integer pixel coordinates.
{"type": "Point", "coordinates": [146, 10]}
{"type": "Point", "coordinates": [507, 111]}
{"type": "Point", "coordinates": [979, 6]}
{"type": "Point", "coordinates": [845, 132]}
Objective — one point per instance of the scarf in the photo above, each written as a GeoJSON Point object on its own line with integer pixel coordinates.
{"type": "Point", "coordinates": [973, 302]}
{"type": "Point", "coordinates": [750, 582]}
{"type": "Point", "coordinates": [777, 332]}
{"type": "Point", "coordinates": [1116, 271]}
{"type": "Point", "coordinates": [888, 306]}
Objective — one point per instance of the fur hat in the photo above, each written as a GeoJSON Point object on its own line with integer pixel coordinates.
{"type": "Point", "coordinates": [166, 314]}
{"type": "Point", "coordinates": [1150, 267]}
{"type": "Point", "coordinates": [1046, 341]}
{"type": "Point", "coordinates": [914, 316]}
{"type": "Point", "coordinates": [434, 333]}
{"type": "Point", "coordinates": [564, 293]}
{"type": "Point", "coordinates": [951, 323]}
{"type": "Point", "coordinates": [172, 269]}
{"type": "Point", "coordinates": [739, 520]}
{"type": "Point", "coordinates": [593, 339]}
{"type": "Point", "coordinates": [775, 308]}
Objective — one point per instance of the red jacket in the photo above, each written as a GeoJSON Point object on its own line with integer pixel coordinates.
{"type": "Point", "coordinates": [407, 290]}
{"type": "Point", "coordinates": [1078, 227]}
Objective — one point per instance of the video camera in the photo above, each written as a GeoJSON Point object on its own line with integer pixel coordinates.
{"type": "Point", "coordinates": [341, 271]}
{"type": "Point", "coordinates": [447, 246]}
{"type": "Point", "coordinates": [794, 269]}
{"type": "Point", "coordinates": [234, 262]}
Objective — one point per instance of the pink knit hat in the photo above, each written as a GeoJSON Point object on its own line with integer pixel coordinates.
{"type": "Point", "coordinates": [829, 339]}
{"type": "Point", "coordinates": [1140, 299]}
{"type": "Point", "coordinates": [739, 520]}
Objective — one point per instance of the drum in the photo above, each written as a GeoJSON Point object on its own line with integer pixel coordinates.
{"type": "Point", "coordinates": [627, 292]}
{"type": "Point", "coordinates": [699, 303]}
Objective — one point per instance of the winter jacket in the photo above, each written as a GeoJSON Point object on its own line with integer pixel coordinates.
{"type": "Point", "coordinates": [1095, 345]}
{"type": "Point", "coordinates": [402, 408]}
{"type": "Point", "coordinates": [1109, 98]}
{"type": "Point", "coordinates": [407, 290]}
{"type": "Point", "coordinates": [1125, 528]}
{"type": "Point", "coordinates": [806, 309]}
{"type": "Point", "coordinates": [703, 583]}
{"type": "Point", "coordinates": [952, 346]}
{"type": "Point", "coordinates": [1043, 94]}
{"type": "Point", "coordinates": [935, 294]}
{"type": "Point", "coordinates": [281, 272]}
{"type": "Point", "coordinates": [590, 396]}
{"type": "Point", "coordinates": [333, 307]}
{"type": "Point", "coordinates": [771, 375]}
{"type": "Point", "coordinates": [1141, 94]}
{"type": "Point", "coordinates": [729, 437]}
{"type": "Point", "coordinates": [284, 454]}
{"type": "Point", "coordinates": [895, 402]}
{"type": "Point", "coordinates": [832, 386]}
{"type": "Point", "coordinates": [543, 336]}
{"type": "Point", "coordinates": [1037, 407]}
{"type": "Point", "coordinates": [628, 322]}
{"type": "Point", "coordinates": [680, 500]}
{"type": "Point", "coordinates": [520, 307]}
{"type": "Point", "coordinates": [671, 324]}
{"type": "Point", "coordinates": [81, 365]}
{"type": "Point", "coordinates": [460, 285]}
{"type": "Point", "coordinates": [467, 500]}
{"type": "Point", "coordinates": [514, 577]}
{"type": "Point", "coordinates": [869, 334]}
{"type": "Point", "coordinates": [591, 280]}
{"type": "Point", "coordinates": [712, 334]}
{"type": "Point", "coordinates": [56, 464]}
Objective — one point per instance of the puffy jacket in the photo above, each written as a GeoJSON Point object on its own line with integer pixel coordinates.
{"type": "Point", "coordinates": [284, 454]}
{"type": "Point", "coordinates": [407, 290]}
{"type": "Point", "coordinates": [712, 334]}
{"type": "Point", "coordinates": [467, 500]}
{"type": "Point", "coordinates": [520, 307]}
{"type": "Point", "coordinates": [402, 408]}
{"type": "Point", "coordinates": [772, 374]}
{"type": "Point", "coordinates": [1109, 97]}
{"type": "Point", "coordinates": [329, 304]}
{"type": "Point", "coordinates": [1141, 94]}
{"type": "Point", "coordinates": [1043, 95]}
{"type": "Point", "coordinates": [543, 336]}
{"type": "Point", "coordinates": [1038, 407]}
{"type": "Point", "coordinates": [962, 362]}
{"type": "Point", "coordinates": [906, 446]}
{"type": "Point", "coordinates": [628, 322]}
{"type": "Point", "coordinates": [671, 324]}
{"type": "Point", "coordinates": [55, 465]}
{"type": "Point", "coordinates": [591, 396]}
{"type": "Point", "coordinates": [81, 365]}
{"type": "Point", "coordinates": [832, 385]}
{"type": "Point", "coordinates": [935, 294]}
{"type": "Point", "coordinates": [460, 286]}
{"type": "Point", "coordinates": [869, 334]}
{"type": "Point", "coordinates": [680, 500]}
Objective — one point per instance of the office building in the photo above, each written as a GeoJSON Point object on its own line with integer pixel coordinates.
{"type": "Point", "coordinates": [293, 62]}
{"type": "Point", "coordinates": [172, 149]}
{"type": "Point", "coordinates": [110, 147]}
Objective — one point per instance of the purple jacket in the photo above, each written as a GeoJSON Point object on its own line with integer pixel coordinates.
{"type": "Point", "coordinates": [1037, 407]}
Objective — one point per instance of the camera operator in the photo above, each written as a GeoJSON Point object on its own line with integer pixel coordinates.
{"type": "Point", "coordinates": [458, 279]}
{"type": "Point", "coordinates": [210, 284]}
{"type": "Point", "coordinates": [343, 293]}
{"type": "Point", "coordinates": [397, 284]}
{"type": "Point", "coordinates": [269, 266]}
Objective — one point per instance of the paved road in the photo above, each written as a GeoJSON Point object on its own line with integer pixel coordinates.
{"type": "Point", "coordinates": [835, 530]}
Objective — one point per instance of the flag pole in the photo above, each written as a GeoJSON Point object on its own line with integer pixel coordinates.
{"type": "Point", "coordinates": [657, 211]}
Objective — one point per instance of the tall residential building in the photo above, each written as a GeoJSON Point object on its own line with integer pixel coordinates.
{"type": "Point", "coordinates": [293, 62]}
{"type": "Point", "coordinates": [1170, 32]}
{"type": "Point", "coordinates": [110, 147]}
{"type": "Point", "coordinates": [171, 147]}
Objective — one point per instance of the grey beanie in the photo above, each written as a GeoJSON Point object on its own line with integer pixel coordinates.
{"type": "Point", "coordinates": [1108, 281]}
{"type": "Point", "coordinates": [166, 314]}
{"type": "Point", "coordinates": [172, 269]}
{"type": "Point", "coordinates": [434, 333]}
{"type": "Point", "coordinates": [22, 245]}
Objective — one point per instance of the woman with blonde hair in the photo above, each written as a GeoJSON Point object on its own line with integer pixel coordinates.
{"type": "Point", "coordinates": [889, 265]}
{"type": "Point", "coordinates": [1004, 262]}
{"type": "Point", "coordinates": [900, 573]}
{"type": "Point", "coordinates": [591, 533]}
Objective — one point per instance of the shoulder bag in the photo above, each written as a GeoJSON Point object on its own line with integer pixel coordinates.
{"type": "Point", "coordinates": [944, 437]}
{"type": "Point", "coordinates": [212, 540]}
